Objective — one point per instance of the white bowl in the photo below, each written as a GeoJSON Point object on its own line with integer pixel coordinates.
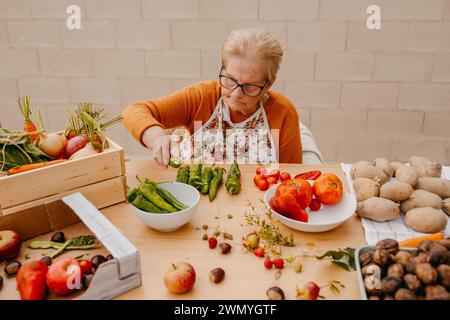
{"type": "Point", "coordinates": [167, 222]}
{"type": "Point", "coordinates": [327, 218]}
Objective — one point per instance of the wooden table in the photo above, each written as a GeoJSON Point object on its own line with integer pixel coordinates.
{"type": "Point", "coordinates": [246, 277]}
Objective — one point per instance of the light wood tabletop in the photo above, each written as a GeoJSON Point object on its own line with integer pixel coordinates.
{"type": "Point", "coordinates": [246, 277]}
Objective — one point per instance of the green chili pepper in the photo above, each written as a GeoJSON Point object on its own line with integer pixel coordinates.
{"type": "Point", "coordinates": [233, 183]}
{"type": "Point", "coordinates": [195, 176]}
{"type": "Point", "coordinates": [183, 174]}
{"type": "Point", "coordinates": [141, 203]}
{"type": "Point", "coordinates": [171, 199]}
{"type": "Point", "coordinates": [207, 176]}
{"type": "Point", "coordinates": [131, 195]}
{"type": "Point", "coordinates": [215, 183]}
{"type": "Point", "coordinates": [150, 193]}
{"type": "Point", "coordinates": [175, 162]}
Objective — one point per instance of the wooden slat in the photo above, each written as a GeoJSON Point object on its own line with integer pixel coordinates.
{"type": "Point", "coordinates": [101, 194]}
{"type": "Point", "coordinates": [49, 181]}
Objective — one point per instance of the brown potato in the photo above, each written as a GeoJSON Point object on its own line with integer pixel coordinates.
{"type": "Point", "coordinates": [406, 205]}
{"type": "Point", "coordinates": [357, 166]}
{"type": "Point", "coordinates": [384, 165]}
{"type": "Point", "coordinates": [370, 172]}
{"type": "Point", "coordinates": [395, 165]}
{"type": "Point", "coordinates": [426, 219]}
{"type": "Point", "coordinates": [378, 209]}
{"type": "Point", "coordinates": [422, 199]}
{"type": "Point", "coordinates": [366, 188]}
{"type": "Point", "coordinates": [396, 190]}
{"type": "Point", "coordinates": [439, 186]}
{"type": "Point", "coordinates": [446, 206]}
{"type": "Point", "coordinates": [407, 174]}
{"type": "Point", "coordinates": [425, 167]}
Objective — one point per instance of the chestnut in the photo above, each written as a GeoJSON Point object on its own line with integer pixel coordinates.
{"type": "Point", "coordinates": [405, 294]}
{"type": "Point", "coordinates": [275, 293]}
{"type": "Point", "coordinates": [97, 260]}
{"type": "Point", "coordinates": [412, 282]}
{"type": "Point", "coordinates": [402, 257]}
{"type": "Point", "coordinates": [396, 270]}
{"type": "Point", "coordinates": [444, 275]}
{"type": "Point", "coordinates": [382, 257]}
{"type": "Point", "coordinates": [390, 284]}
{"type": "Point", "coordinates": [426, 273]}
{"type": "Point", "coordinates": [365, 258]}
{"type": "Point", "coordinates": [47, 260]}
{"type": "Point", "coordinates": [436, 292]}
{"type": "Point", "coordinates": [216, 275]}
{"type": "Point", "coordinates": [58, 237]}
{"type": "Point", "coordinates": [389, 245]}
{"type": "Point", "coordinates": [12, 267]}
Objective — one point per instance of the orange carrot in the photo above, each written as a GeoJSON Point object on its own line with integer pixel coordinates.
{"type": "Point", "coordinates": [28, 167]}
{"type": "Point", "coordinates": [28, 125]}
{"type": "Point", "coordinates": [414, 242]}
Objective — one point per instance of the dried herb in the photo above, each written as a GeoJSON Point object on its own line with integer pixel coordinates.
{"type": "Point", "coordinates": [268, 231]}
{"type": "Point", "coordinates": [344, 258]}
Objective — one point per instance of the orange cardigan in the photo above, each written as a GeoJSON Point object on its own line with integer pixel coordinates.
{"type": "Point", "coordinates": [197, 103]}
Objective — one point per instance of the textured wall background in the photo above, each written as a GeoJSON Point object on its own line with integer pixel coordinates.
{"type": "Point", "coordinates": [363, 93]}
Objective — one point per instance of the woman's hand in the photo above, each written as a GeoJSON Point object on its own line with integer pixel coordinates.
{"type": "Point", "coordinates": [156, 139]}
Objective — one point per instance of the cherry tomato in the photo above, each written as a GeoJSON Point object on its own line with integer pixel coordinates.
{"type": "Point", "coordinates": [310, 175]}
{"type": "Point", "coordinates": [271, 180]}
{"type": "Point", "coordinates": [86, 266]}
{"type": "Point", "coordinates": [261, 182]}
{"type": "Point", "coordinates": [315, 205]}
{"type": "Point", "coordinates": [328, 189]}
{"type": "Point", "coordinates": [273, 173]}
{"type": "Point", "coordinates": [261, 170]}
{"type": "Point", "coordinates": [285, 176]}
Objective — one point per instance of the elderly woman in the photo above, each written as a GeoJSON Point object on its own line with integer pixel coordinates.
{"type": "Point", "coordinates": [265, 123]}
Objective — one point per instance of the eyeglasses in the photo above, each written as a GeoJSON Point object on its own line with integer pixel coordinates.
{"type": "Point", "coordinates": [251, 90]}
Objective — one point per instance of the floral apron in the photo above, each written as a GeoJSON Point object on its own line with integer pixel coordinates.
{"type": "Point", "coordinates": [221, 140]}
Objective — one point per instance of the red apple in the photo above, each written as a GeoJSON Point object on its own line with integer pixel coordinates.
{"type": "Point", "coordinates": [311, 291]}
{"type": "Point", "coordinates": [64, 276]}
{"type": "Point", "coordinates": [180, 278]}
{"type": "Point", "coordinates": [31, 280]}
{"type": "Point", "coordinates": [9, 244]}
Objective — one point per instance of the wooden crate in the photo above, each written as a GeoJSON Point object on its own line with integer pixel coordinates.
{"type": "Point", "coordinates": [75, 215]}
{"type": "Point", "coordinates": [100, 177]}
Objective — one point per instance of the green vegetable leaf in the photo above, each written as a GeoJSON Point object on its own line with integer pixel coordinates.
{"type": "Point", "coordinates": [344, 258]}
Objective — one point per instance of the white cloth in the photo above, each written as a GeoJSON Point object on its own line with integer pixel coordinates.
{"type": "Point", "coordinates": [310, 151]}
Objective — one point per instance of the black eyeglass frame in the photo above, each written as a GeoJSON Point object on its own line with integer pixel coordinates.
{"type": "Point", "coordinates": [241, 85]}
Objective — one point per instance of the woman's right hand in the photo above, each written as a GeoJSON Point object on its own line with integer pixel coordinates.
{"type": "Point", "coordinates": [156, 139]}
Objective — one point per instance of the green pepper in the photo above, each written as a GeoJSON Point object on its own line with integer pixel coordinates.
{"type": "Point", "coordinates": [171, 199]}
{"type": "Point", "coordinates": [175, 162]}
{"type": "Point", "coordinates": [215, 183]}
{"type": "Point", "coordinates": [195, 176]}
{"type": "Point", "coordinates": [150, 193]}
{"type": "Point", "coordinates": [233, 183]}
{"type": "Point", "coordinates": [131, 195]}
{"type": "Point", "coordinates": [207, 176]}
{"type": "Point", "coordinates": [141, 203]}
{"type": "Point", "coordinates": [183, 174]}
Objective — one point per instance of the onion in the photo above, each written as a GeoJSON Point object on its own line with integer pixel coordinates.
{"type": "Point", "coordinates": [88, 150]}
{"type": "Point", "coordinates": [52, 143]}
{"type": "Point", "coordinates": [75, 144]}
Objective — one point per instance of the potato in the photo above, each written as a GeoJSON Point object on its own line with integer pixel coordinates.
{"type": "Point", "coordinates": [407, 174]}
{"type": "Point", "coordinates": [427, 220]}
{"type": "Point", "coordinates": [396, 190]}
{"type": "Point", "coordinates": [406, 205]}
{"type": "Point", "coordinates": [439, 186]}
{"type": "Point", "coordinates": [378, 209]}
{"type": "Point", "coordinates": [370, 172]}
{"type": "Point", "coordinates": [395, 165]}
{"type": "Point", "coordinates": [425, 167]}
{"type": "Point", "coordinates": [446, 206]}
{"type": "Point", "coordinates": [384, 165]}
{"type": "Point", "coordinates": [357, 166]}
{"type": "Point", "coordinates": [366, 188]}
{"type": "Point", "coordinates": [422, 198]}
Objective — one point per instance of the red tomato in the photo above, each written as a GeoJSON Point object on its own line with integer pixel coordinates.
{"type": "Point", "coordinates": [86, 266]}
{"type": "Point", "coordinates": [299, 188]}
{"type": "Point", "coordinates": [328, 189]}
{"type": "Point", "coordinates": [310, 175]}
{"type": "Point", "coordinates": [261, 182]}
{"type": "Point", "coordinates": [315, 205]}
{"type": "Point", "coordinates": [273, 173]}
{"type": "Point", "coordinates": [285, 176]}
{"type": "Point", "coordinates": [261, 170]}
{"type": "Point", "coordinates": [272, 180]}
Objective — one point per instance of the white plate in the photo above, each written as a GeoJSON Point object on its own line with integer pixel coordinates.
{"type": "Point", "coordinates": [326, 218]}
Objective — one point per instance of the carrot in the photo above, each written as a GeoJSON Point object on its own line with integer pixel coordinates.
{"type": "Point", "coordinates": [414, 242]}
{"type": "Point", "coordinates": [28, 167]}
{"type": "Point", "coordinates": [28, 125]}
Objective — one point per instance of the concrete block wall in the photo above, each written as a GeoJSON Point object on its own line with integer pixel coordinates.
{"type": "Point", "coordinates": [363, 93]}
